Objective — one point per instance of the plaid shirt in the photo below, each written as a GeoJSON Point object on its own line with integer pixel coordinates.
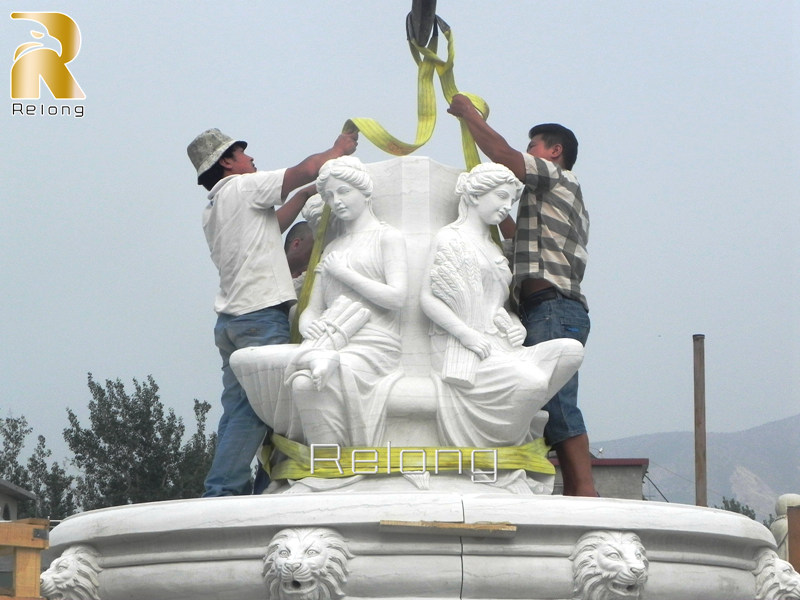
{"type": "Point", "coordinates": [552, 230]}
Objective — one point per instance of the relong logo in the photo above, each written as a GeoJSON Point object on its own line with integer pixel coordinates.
{"type": "Point", "coordinates": [34, 62]}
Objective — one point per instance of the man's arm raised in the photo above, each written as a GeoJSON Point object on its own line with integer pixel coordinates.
{"type": "Point", "coordinates": [308, 169]}
{"type": "Point", "coordinates": [491, 143]}
{"type": "Point", "coordinates": [288, 212]}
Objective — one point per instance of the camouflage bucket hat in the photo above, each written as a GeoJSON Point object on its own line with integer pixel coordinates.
{"type": "Point", "coordinates": [207, 147]}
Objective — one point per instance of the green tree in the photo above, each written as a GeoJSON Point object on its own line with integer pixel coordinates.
{"type": "Point", "coordinates": [733, 505]}
{"type": "Point", "coordinates": [14, 431]}
{"type": "Point", "coordinates": [132, 450]}
{"type": "Point", "coordinates": [197, 454]}
{"type": "Point", "coordinates": [54, 489]}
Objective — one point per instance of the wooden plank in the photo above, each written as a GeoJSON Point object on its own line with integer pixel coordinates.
{"type": "Point", "coordinates": [38, 522]}
{"type": "Point", "coordinates": [25, 539]}
{"type": "Point", "coordinates": [502, 530]}
{"type": "Point", "coordinates": [27, 570]}
{"type": "Point", "coordinates": [21, 534]}
{"type": "Point", "coordinates": [793, 536]}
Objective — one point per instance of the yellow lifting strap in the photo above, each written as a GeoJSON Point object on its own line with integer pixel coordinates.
{"type": "Point", "coordinates": [308, 282]}
{"type": "Point", "coordinates": [428, 62]}
{"type": "Point", "coordinates": [332, 461]}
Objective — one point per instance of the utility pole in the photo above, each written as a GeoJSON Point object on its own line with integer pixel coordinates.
{"type": "Point", "coordinates": [700, 478]}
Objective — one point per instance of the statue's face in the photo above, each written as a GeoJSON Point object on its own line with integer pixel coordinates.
{"type": "Point", "coordinates": [788, 581]}
{"type": "Point", "coordinates": [346, 202]}
{"type": "Point", "coordinates": [494, 205]}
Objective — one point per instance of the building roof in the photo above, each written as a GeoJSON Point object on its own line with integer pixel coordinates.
{"type": "Point", "coordinates": [9, 489]}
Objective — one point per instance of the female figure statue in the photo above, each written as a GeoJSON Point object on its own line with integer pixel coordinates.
{"type": "Point", "coordinates": [490, 386]}
{"type": "Point", "coordinates": [350, 356]}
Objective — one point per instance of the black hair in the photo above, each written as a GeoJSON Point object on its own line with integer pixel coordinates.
{"type": "Point", "coordinates": [553, 133]}
{"type": "Point", "coordinates": [299, 230]}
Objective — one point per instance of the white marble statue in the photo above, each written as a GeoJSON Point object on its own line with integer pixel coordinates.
{"type": "Point", "coordinates": [306, 563]}
{"type": "Point", "coordinates": [312, 211]}
{"type": "Point", "coordinates": [380, 537]}
{"type": "Point", "coordinates": [776, 579]}
{"type": "Point", "coordinates": [609, 565]}
{"type": "Point", "coordinates": [489, 385]}
{"type": "Point", "coordinates": [332, 388]}
{"type": "Point", "coordinates": [340, 376]}
{"type": "Point", "coordinates": [780, 526]}
{"type": "Point", "coordinates": [73, 575]}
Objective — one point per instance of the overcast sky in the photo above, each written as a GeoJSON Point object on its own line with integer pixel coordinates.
{"type": "Point", "coordinates": [687, 116]}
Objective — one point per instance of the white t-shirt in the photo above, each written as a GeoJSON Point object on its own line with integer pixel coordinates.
{"type": "Point", "coordinates": [244, 237]}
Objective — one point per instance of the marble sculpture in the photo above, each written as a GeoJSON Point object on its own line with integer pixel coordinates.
{"type": "Point", "coordinates": [609, 565]}
{"type": "Point", "coordinates": [409, 342]}
{"type": "Point", "coordinates": [776, 579]}
{"type": "Point", "coordinates": [73, 576]}
{"type": "Point", "coordinates": [333, 388]}
{"type": "Point", "coordinates": [306, 564]}
{"type": "Point", "coordinates": [490, 387]}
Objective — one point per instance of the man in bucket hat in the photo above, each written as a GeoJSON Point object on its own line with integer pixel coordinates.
{"type": "Point", "coordinates": [243, 230]}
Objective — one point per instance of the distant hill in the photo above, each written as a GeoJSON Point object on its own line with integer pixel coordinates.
{"type": "Point", "coordinates": [754, 466]}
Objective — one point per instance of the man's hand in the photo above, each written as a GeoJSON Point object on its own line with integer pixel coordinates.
{"type": "Point", "coordinates": [491, 143]}
{"type": "Point", "coordinates": [461, 106]}
{"type": "Point", "coordinates": [346, 143]}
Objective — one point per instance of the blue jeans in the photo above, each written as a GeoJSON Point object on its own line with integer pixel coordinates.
{"type": "Point", "coordinates": [560, 317]}
{"type": "Point", "coordinates": [240, 432]}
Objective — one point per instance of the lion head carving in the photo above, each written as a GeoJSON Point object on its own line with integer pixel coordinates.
{"type": "Point", "coordinates": [73, 575]}
{"type": "Point", "coordinates": [609, 565]}
{"type": "Point", "coordinates": [776, 579]}
{"type": "Point", "coordinates": [306, 564]}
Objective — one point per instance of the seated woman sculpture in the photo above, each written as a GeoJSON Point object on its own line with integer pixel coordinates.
{"type": "Point", "coordinates": [332, 388]}
{"type": "Point", "coordinates": [351, 327]}
{"type": "Point", "coordinates": [490, 386]}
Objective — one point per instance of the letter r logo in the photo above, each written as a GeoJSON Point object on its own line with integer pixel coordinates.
{"type": "Point", "coordinates": [33, 60]}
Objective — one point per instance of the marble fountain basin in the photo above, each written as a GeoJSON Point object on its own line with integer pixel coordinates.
{"type": "Point", "coordinates": [410, 545]}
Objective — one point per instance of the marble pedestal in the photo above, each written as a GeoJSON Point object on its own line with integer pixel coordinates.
{"type": "Point", "coordinates": [213, 549]}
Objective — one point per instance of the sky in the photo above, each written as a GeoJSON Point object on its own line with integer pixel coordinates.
{"type": "Point", "coordinates": [687, 117]}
